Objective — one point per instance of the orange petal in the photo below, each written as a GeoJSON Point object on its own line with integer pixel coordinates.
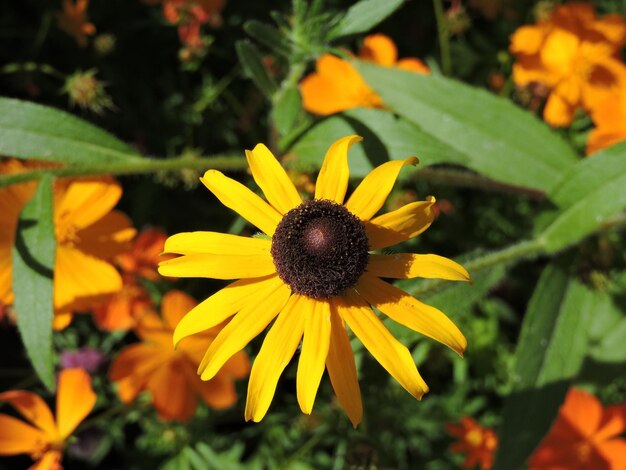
{"type": "Point", "coordinates": [413, 65]}
{"type": "Point", "coordinates": [172, 396]}
{"type": "Point", "coordinates": [342, 369]}
{"type": "Point", "coordinates": [51, 460]}
{"type": "Point", "coordinates": [175, 305]}
{"type": "Point", "coordinates": [84, 202]}
{"type": "Point", "coordinates": [17, 437]}
{"type": "Point", "coordinates": [400, 225]}
{"type": "Point", "coordinates": [107, 237]}
{"type": "Point", "coordinates": [380, 49]}
{"type": "Point", "coordinates": [75, 399]}
{"type": "Point", "coordinates": [133, 367]}
{"type": "Point", "coordinates": [78, 276]}
{"type": "Point", "coordinates": [33, 408]}
{"type": "Point", "coordinates": [583, 411]}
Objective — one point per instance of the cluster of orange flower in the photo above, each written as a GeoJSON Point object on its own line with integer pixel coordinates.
{"type": "Point", "coordinates": [92, 238]}
{"type": "Point", "coordinates": [336, 85]}
{"type": "Point", "coordinates": [575, 56]}
{"type": "Point", "coordinates": [585, 435]}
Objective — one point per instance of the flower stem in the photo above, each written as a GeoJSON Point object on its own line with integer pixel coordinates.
{"type": "Point", "coordinates": [143, 165]}
{"type": "Point", "coordinates": [444, 38]}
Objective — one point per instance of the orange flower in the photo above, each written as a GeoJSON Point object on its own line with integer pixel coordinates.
{"type": "Point", "coordinates": [87, 232]}
{"type": "Point", "coordinates": [170, 375]}
{"type": "Point", "coordinates": [144, 256]}
{"type": "Point", "coordinates": [73, 20]}
{"type": "Point", "coordinates": [186, 11]}
{"type": "Point", "coordinates": [584, 436]}
{"type": "Point", "coordinates": [610, 120]}
{"type": "Point", "coordinates": [45, 438]}
{"type": "Point", "coordinates": [122, 310]}
{"type": "Point", "coordinates": [573, 53]}
{"type": "Point", "coordinates": [478, 443]}
{"type": "Point", "coordinates": [336, 85]}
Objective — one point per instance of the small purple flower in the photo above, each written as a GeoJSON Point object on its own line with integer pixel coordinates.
{"type": "Point", "coordinates": [86, 358]}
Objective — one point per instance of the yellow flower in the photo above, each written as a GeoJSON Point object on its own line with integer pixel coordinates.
{"type": "Point", "coordinates": [315, 276]}
{"type": "Point", "coordinates": [88, 233]}
{"type": "Point", "coordinates": [46, 437]}
{"type": "Point", "coordinates": [573, 53]}
{"type": "Point", "coordinates": [337, 86]}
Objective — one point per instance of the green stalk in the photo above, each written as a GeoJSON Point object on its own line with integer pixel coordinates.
{"type": "Point", "coordinates": [129, 167]}
{"type": "Point", "coordinates": [444, 38]}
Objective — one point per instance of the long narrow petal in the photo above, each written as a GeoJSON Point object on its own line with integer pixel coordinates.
{"type": "Point", "coordinates": [244, 326]}
{"type": "Point", "coordinates": [332, 181]}
{"type": "Point", "coordinates": [218, 266]}
{"type": "Point", "coordinates": [277, 350]}
{"type": "Point", "coordinates": [224, 304]}
{"type": "Point", "coordinates": [410, 312]}
{"type": "Point", "coordinates": [400, 225]}
{"type": "Point", "coordinates": [386, 349]}
{"type": "Point", "coordinates": [17, 437]}
{"type": "Point", "coordinates": [371, 194]}
{"type": "Point", "coordinates": [237, 197]}
{"type": "Point", "coordinates": [51, 460]}
{"type": "Point", "coordinates": [32, 407]}
{"type": "Point", "coordinates": [86, 201]}
{"type": "Point", "coordinates": [342, 368]}
{"type": "Point", "coordinates": [314, 351]}
{"type": "Point", "coordinates": [216, 243]}
{"type": "Point", "coordinates": [75, 399]}
{"type": "Point", "coordinates": [409, 265]}
{"type": "Point", "coordinates": [272, 179]}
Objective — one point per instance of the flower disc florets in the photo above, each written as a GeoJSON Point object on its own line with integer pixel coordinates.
{"type": "Point", "coordinates": [320, 249]}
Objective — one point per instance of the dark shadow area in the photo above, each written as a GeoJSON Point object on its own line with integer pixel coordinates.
{"type": "Point", "coordinates": [24, 251]}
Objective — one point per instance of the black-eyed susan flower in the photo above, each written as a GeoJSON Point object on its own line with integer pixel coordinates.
{"type": "Point", "coordinates": [317, 275]}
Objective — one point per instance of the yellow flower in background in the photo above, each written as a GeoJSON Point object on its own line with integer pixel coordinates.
{"type": "Point", "coordinates": [574, 54]}
{"type": "Point", "coordinates": [170, 375]}
{"type": "Point", "coordinates": [45, 438]}
{"type": "Point", "coordinates": [315, 277]}
{"type": "Point", "coordinates": [337, 86]}
{"type": "Point", "coordinates": [73, 20]}
{"type": "Point", "coordinates": [88, 233]}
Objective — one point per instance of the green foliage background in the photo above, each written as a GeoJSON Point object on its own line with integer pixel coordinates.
{"type": "Point", "coordinates": [538, 226]}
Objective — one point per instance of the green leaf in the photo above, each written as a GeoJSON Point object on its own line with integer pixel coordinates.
{"type": "Point", "coordinates": [269, 36]}
{"type": "Point", "coordinates": [33, 265]}
{"type": "Point", "coordinates": [286, 110]}
{"type": "Point", "coordinates": [550, 352]}
{"type": "Point", "coordinates": [252, 62]}
{"type": "Point", "coordinates": [33, 131]}
{"type": "Point", "coordinates": [587, 196]}
{"type": "Point", "coordinates": [497, 139]}
{"type": "Point", "coordinates": [386, 137]}
{"type": "Point", "coordinates": [363, 16]}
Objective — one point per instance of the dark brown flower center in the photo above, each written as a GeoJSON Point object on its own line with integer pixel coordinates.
{"type": "Point", "coordinates": [320, 249]}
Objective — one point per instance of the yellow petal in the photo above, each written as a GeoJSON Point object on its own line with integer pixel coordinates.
{"type": "Point", "coordinates": [78, 276]}
{"type": "Point", "coordinates": [86, 201]}
{"type": "Point", "coordinates": [410, 312]}
{"type": "Point", "coordinates": [272, 179]}
{"type": "Point", "coordinates": [277, 350]}
{"type": "Point", "coordinates": [75, 399]}
{"type": "Point", "coordinates": [237, 197]}
{"type": "Point", "coordinates": [17, 437]}
{"type": "Point", "coordinates": [314, 351]}
{"type": "Point", "coordinates": [400, 225]}
{"type": "Point", "coordinates": [224, 304]}
{"type": "Point", "coordinates": [386, 349]}
{"type": "Point", "coordinates": [332, 181]}
{"type": "Point", "coordinates": [218, 266]}
{"type": "Point", "coordinates": [371, 194]}
{"type": "Point", "coordinates": [342, 368]}
{"type": "Point", "coordinates": [410, 265]}
{"type": "Point", "coordinates": [33, 408]}
{"type": "Point", "coordinates": [244, 326]}
{"type": "Point", "coordinates": [188, 243]}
